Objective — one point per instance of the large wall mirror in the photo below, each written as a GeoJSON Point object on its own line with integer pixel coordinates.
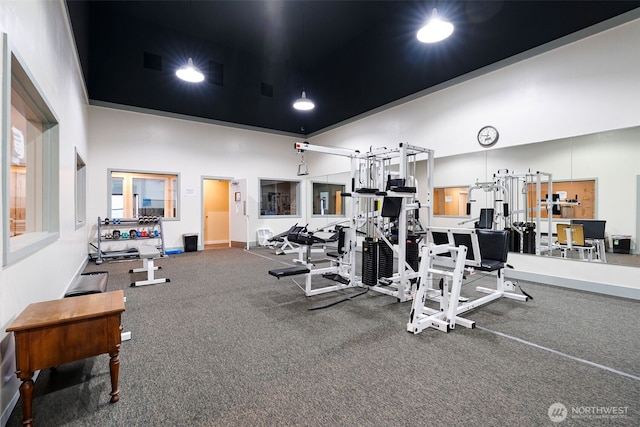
{"type": "Point", "coordinates": [600, 170]}
{"type": "Point", "coordinates": [325, 204]}
{"type": "Point", "coordinates": [595, 177]}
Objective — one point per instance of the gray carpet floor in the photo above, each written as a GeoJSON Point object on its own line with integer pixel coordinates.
{"type": "Point", "coordinates": [225, 344]}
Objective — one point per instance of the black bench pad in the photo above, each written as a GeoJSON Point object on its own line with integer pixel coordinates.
{"type": "Point", "coordinates": [288, 271]}
{"type": "Point", "coordinates": [88, 283]}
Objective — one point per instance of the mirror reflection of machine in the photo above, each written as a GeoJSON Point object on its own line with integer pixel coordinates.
{"type": "Point", "coordinates": [324, 202]}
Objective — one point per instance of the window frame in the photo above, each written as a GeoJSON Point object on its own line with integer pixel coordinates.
{"type": "Point", "coordinates": [19, 247]}
{"type": "Point", "coordinates": [110, 172]}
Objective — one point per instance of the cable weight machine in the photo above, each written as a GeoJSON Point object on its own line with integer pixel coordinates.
{"type": "Point", "coordinates": [384, 211]}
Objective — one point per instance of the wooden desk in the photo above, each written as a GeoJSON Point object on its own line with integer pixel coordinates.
{"type": "Point", "coordinates": [52, 333]}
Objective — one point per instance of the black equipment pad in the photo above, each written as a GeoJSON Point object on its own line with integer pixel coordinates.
{"type": "Point", "coordinates": [88, 283]}
{"type": "Point", "coordinates": [288, 271]}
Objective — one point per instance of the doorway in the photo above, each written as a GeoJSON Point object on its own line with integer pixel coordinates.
{"type": "Point", "coordinates": [215, 202]}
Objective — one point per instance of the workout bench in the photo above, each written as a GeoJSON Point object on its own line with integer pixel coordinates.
{"type": "Point", "coordinates": [148, 254]}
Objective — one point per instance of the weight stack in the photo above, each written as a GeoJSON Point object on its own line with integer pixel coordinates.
{"type": "Point", "coordinates": [514, 240]}
{"type": "Point", "coordinates": [529, 239]}
{"type": "Point", "coordinates": [370, 262]}
{"type": "Point", "coordinates": [412, 252]}
{"type": "Point", "coordinates": [385, 260]}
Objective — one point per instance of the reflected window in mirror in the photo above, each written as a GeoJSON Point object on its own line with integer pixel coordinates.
{"type": "Point", "coordinates": [450, 201]}
{"type": "Point", "coordinates": [279, 197]}
{"type": "Point", "coordinates": [327, 199]}
{"type": "Point", "coordinates": [573, 199]}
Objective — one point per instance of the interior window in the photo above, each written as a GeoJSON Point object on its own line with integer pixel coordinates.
{"type": "Point", "coordinates": [31, 169]}
{"type": "Point", "coordinates": [450, 201]}
{"type": "Point", "coordinates": [572, 199]}
{"type": "Point", "coordinates": [278, 198]}
{"type": "Point", "coordinates": [137, 194]}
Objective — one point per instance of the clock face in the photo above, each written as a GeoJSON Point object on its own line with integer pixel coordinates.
{"type": "Point", "coordinates": [488, 136]}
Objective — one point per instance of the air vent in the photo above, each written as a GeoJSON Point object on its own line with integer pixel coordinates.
{"type": "Point", "coordinates": [266, 89]}
{"type": "Point", "coordinates": [216, 73]}
{"type": "Point", "coordinates": [152, 62]}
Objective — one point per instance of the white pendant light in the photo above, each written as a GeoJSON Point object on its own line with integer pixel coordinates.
{"type": "Point", "coordinates": [303, 103]}
{"type": "Point", "coordinates": [435, 30]}
{"type": "Point", "coordinates": [190, 73]}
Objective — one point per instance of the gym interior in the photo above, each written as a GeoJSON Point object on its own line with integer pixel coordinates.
{"type": "Point", "coordinates": [478, 239]}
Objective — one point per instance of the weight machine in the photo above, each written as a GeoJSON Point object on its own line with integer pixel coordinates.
{"type": "Point", "coordinates": [384, 210]}
{"type": "Point", "coordinates": [458, 251]}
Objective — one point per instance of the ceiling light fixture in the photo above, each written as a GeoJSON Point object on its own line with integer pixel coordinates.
{"type": "Point", "coordinates": [190, 73]}
{"type": "Point", "coordinates": [435, 30]}
{"type": "Point", "coordinates": [303, 103]}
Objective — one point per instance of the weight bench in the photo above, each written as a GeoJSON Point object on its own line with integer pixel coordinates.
{"type": "Point", "coordinates": [148, 254]}
{"type": "Point", "coordinates": [88, 283]}
{"type": "Point", "coordinates": [289, 271]}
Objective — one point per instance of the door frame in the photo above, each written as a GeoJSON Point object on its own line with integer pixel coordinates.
{"type": "Point", "coordinates": [203, 218]}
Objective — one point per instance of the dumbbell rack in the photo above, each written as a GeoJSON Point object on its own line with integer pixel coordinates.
{"type": "Point", "coordinates": [107, 227]}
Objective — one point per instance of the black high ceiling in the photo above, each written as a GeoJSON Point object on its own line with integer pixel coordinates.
{"type": "Point", "coordinates": [350, 56]}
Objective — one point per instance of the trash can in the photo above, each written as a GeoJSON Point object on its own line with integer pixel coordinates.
{"type": "Point", "coordinates": [621, 244]}
{"type": "Point", "coordinates": [190, 242]}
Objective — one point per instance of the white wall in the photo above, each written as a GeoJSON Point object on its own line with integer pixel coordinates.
{"type": "Point", "coordinates": [139, 141]}
{"type": "Point", "coordinates": [39, 35]}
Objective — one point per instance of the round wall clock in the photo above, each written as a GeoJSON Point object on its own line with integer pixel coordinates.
{"type": "Point", "coordinates": [488, 136]}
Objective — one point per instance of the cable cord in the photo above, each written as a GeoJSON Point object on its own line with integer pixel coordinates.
{"type": "Point", "coordinates": [331, 304]}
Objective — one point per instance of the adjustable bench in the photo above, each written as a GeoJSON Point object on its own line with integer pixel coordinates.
{"type": "Point", "coordinates": [148, 254]}
{"type": "Point", "coordinates": [88, 283]}
{"type": "Point", "coordinates": [289, 271]}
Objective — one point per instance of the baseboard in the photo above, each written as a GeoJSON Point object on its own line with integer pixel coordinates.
{"type": "Point", "coordinates": [581, 285]}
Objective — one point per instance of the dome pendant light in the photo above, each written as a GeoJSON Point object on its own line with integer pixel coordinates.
{"type": "Point", "coordinates": [190, 73]}
{"type": "Point", "coordinates": [435, 30]}
{"type": "Point", "coordinates": [303, 103]}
